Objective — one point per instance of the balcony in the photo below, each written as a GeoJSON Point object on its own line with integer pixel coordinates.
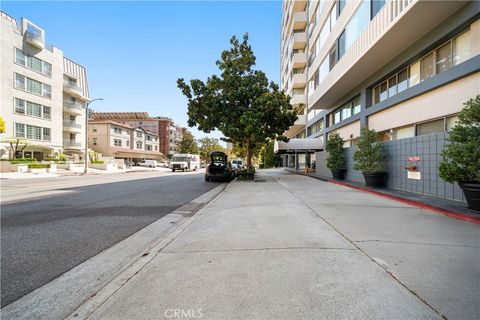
{"type": "Point", "coordinates": [73, 107]}
{"type": "Point", "coordinates": [73, 90]}
{"type": "Point", "coordinates": [297, 99]}
{"type": "Point", "coordinates": [72, 126]}
{"type": "Point", "coordinates": [35, 39]}
{"type": "Point", "coordinates": [397, 26]}
{"type": "Point", "coordinates": [299, 40]}
{"type": "Point", "coordinates": [71, 144]}
{"type": "Point", "coordinates": [299, 80]}
{"type": "Point", "coordinates": [298, 126]}
{"type": "Point", "coordinates": [299, 60]}
{"type": "Point", "coordinates": [299, 20]}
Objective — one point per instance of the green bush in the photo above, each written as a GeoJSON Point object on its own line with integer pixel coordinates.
{"type": "Point", "coordinates": [461, 158]}
{"type": "Point", "coordinates": [24, 160]}
{"type": "Point", "coordinates": [39, 166]}
{"type": "Point", "coordinates": [369, 156]}
{"type": "Point", "coordinates": [246, 174]}
{"type": "Point", "coordinates": [97, 162]}
{"type": "Point", "coordinates": [335, 159]}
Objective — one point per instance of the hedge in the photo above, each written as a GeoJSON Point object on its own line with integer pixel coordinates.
{"type": "Point", "coordinates": [39, 166]}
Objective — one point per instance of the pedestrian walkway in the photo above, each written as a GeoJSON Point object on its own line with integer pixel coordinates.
{"type": "Point", "coordinates": [292, 247]}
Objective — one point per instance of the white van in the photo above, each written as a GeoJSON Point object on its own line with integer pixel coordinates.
{"type": "Point", "coordinates": [237, 164]}
{"type": "Point", "coordinates": [148, 163]}
{"type": "Point", "coordinates": [185, 161]}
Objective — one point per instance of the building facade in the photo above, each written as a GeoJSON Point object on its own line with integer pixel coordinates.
{"type": "Point", "coordinates": [401, 67]}
{"type": "Point", "coordinates": [169, 134]}
{"type": "Point", "coordinates": [43, 94]}
{"type": "Point", "coordinates": [123, 141]}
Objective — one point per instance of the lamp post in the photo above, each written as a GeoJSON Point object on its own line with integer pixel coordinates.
{"type": "Point", "coordinates": [86, 133]}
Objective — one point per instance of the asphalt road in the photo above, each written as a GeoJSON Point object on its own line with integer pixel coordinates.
{"type": "Point", "coordinates": [49, 226]}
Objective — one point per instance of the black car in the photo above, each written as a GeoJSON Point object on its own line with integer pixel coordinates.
{"type": "Point", "coordinates": [219, 168]}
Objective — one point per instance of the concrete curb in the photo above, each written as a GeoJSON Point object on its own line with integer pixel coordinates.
{"type": "Point", "coordinates": [449, 213]}
{"type": "Point", "coordinates": [87, 282]}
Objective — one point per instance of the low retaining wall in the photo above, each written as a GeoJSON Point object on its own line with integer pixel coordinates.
{"type": "Point", "coordinates": [104, 166]}
{"type": "Point", "coordinates": [428, 148]}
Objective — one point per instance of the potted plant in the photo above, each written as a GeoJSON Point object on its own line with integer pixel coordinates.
{"type": "Point", "coordinates": [461, 157]}
{"type": "Point", "coordinates": [369, 158]}
{"type": "Point", "coordinates": [335, 160]}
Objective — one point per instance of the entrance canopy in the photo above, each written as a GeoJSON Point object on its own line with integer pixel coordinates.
{"type": "Point", "coordinates": [311, 145]}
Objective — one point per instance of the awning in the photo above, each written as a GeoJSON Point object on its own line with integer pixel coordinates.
{"type": "Point", "coordinates": [311, 145]}
{"type": "Point", "coordinates": [136, 154]}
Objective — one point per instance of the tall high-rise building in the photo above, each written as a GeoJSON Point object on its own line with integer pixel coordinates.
{"type": "Point", "coordinates": [401, 67]}
{"type": "Point", "coordinates": [43, 94]}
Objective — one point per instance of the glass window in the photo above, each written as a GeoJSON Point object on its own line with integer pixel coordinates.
{"type": "Point", "coordinates": [376, 94]}
{"type": "Point", "coordinates": [414, 74]}
{"type": "Point", "coordinates": [34, 109]}
{"type": "Point", "coordinates": [47, 68]}
{"type": "Point", "coordinates": [347, 112]}
{"type": "Point", "coordinates": [337, 117]}
{"type": "Point", "coordinates": [340, 6]}
{"type": "Point", "coordinates": [405, 132]}
{"type": "Point", "coordinates": [461, 48]}
{"type": "Point", "coordinates": [19, 130]}
{"type": "Point", "coordinates": [333, 16]}
{"type": "Point", "coordinates": [357, 24]}
{"type": "Point", "coordinates": [34, 133]}
{"type": "Point", "coordinates": [19, 81]}
{"type": "Point", "coordinates": [402, 80]}
{"type": "Point", "coordinates": [426, 67]}
{"type": "Point", "coordinates": [356, 106]}
{"type": "Point", "coordinates": [324, 32]}
{"type": "Point", "coordinates": [392, 86]}
{"type": "Point", "coordinates": [46, 134]}
{"type": "Point", "coordinates": [376, 6]}
{"type": "Point", "coordinates": [383, 91]}
{"type": "Point", "coordinates": [47, 112]}
{"type": "Point", "coordinates": [34, 64]}
{"type": "Point", "coordinates": [451, 122]}
{"type": "Point", "coordinates": [139, 145]}
{"type": "Point", "coordinates": [324, 68]}
{"type": "Point", "coordinates": [19, 106]}
{"type": "Point", "coordinates": [332, 57]}
{"type": "Point", "coordinates": [444, 57]}
{"type": "Point", "coordinates": [341, 45]}
{"type": "Point", "coordinates": [47, 90]}
{"type": "Point", "coordinates": [127, 143]}
{"type": "Point", "coordinates": [34, 86]}
{"type": "Point", "coordinates": [19, 57]}
{"type": "Point", "coordinates": [431, 127]}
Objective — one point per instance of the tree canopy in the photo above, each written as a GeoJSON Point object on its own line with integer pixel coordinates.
{"type": "Point", "coordinates": [188, 144]}
{"type": "Point", "coordinates": [208, 145]}
{"type": "Point", "coordinates": [240, 102]}
{"type": "Point", "coordinates": [2, 125]}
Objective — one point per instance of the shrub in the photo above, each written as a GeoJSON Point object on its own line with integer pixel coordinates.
{"type": "Point", "coordinates": [97, 162]}
{"type": "Point", "coordinates": [335, 159]}
{"type": "Point", "coordinates": [24, 160]}
{"type": "Point", "coordinates": [369, 156]}
{"type": "Point", "coordinates": [246, 174]}
{"type": "Point", "coordinates": [39, 166]}
{"type": "Point", "coordinates": [461, 158]}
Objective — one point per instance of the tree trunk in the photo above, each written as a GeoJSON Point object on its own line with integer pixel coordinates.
{"type": "Point", "coordinates": [249, 155]}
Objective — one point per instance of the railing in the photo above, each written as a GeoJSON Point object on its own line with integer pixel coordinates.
{"type": "Point", "coordinates": [71, 124]}
{"type": "Point", "coordinates": [72, 104]}
{"type": "Point", "coordinates": [71, 143]}
{"type": "Point", "coordinates": [33, 35]}
{"type": "Point", "coordinates": [71, 86]}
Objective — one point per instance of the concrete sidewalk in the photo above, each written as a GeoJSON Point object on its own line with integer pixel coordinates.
{"type": "Point", "coordinates": [292, 247]}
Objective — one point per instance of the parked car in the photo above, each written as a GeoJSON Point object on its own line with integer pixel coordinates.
{"type": "Point", "coordinates": [148, 163]}
{"type": "Point", "coordinates": [219, 168]}
{"type": "Point", "coordinates": [237, 164]}
{"type": "Point", "coordinates": [163, 164]}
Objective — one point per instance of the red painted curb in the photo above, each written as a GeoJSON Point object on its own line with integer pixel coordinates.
{"type": "Point", "coordinates": [448, 213]}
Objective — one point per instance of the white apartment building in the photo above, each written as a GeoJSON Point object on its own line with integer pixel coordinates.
{"type": "Point", "coordinates": [401, 67]}
{"type": "Point", "coordinates": [43, 93]}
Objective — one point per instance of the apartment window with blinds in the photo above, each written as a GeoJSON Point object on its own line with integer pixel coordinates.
{"type": "Point", "coordinates": [19, 130]}
{"type": "Point", "coordinates": [32, 86]}
{"type": "Point", "coordinates": [32, 109]}
{"type": "Point", "coordinates": [46, 134]}
{"type": "Point", "coordinates": [449, 54]}
{"type": "Point", "coordinates": [32, 132]}
{"type": "Point", "coordinates": [32, 63]}
{"type": "Point", "coordinates": [430, 127]}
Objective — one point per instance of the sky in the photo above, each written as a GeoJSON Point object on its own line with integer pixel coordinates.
{"type": "Point", "coordinates": [135, 51]}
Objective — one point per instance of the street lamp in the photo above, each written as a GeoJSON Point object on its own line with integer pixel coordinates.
{"type": "Point", "coordinates": [86, 133]}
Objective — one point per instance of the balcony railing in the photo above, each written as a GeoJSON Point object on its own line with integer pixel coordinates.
{"type": "Point", "coordinates": [72, 124]}
{"type": "Point", "coordinates": [72, 86]}
{"type": "Point", "coordinates": [71, 143]}
{"type": "Point", "coordinates": [72, 104]}
{"type": "Point", "coordinates": [34, 38]}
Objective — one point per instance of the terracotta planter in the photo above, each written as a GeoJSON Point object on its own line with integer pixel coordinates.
{"type": "Point", "coordinates": [471, 190]}
{"type": "Point", "coordinates": [338, 174]}
{"type": "Point", "coordinates": [374, 179]}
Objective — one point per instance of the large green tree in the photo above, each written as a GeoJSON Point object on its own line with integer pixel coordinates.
{"type": "Point", "coordinates": [207, 145]}
{"type": "Point", "coordinates": [240, 102]}
{"type": "Point", "coordinates": [188, 143]}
